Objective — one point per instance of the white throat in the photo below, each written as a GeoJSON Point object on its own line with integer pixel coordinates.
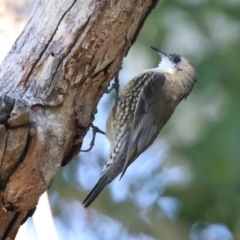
{"type": "Point", "coordinates": [165, 66]}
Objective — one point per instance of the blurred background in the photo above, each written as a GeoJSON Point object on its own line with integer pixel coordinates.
{"type": "Point", "coordinates": [187, 184]}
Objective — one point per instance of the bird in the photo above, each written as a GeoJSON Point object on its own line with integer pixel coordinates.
{"type": "Point", "coordinates": [142, 109]}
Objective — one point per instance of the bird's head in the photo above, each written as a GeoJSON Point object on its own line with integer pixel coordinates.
{"type": "Point", "coordinates": [175, 64]}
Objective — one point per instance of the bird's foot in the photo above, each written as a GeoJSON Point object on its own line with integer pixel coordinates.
{"type": "Point", "coordinates": [115, 86]}
{"type": "Point", "coordinates": [95, 130]}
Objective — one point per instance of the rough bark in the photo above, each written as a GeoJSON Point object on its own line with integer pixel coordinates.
{"type": "Point", "coordinates": [50, 84]}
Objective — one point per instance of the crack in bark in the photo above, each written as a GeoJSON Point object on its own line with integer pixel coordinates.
{"type": "Point", "coordinates": [9, 229]}
{"type": "Point", "coordinates": [5, 147]}
{"type": "Point", "coordinates": [50, 40]}
{"type": "Point", "coordinates": [69, 51]}
{"type": "Point", "coordinates": [121, 10]}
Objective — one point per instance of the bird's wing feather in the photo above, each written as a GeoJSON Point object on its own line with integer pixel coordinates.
{"type": "Point", "coordinates": [145, 122]}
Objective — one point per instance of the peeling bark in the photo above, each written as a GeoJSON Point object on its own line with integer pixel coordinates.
{"type": "Point", "coordinates": [50, 85]}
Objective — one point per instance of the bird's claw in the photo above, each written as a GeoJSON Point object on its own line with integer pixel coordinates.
{"type": "Point", "coordinates": [95, 130]}
{"type": "Point", "coordinates": [115, 86]}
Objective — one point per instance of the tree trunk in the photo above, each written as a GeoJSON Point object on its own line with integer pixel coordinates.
{"type": "Point", "coordinates": [50, 85]}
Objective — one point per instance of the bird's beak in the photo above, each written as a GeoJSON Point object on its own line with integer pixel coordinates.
{"type": "Point", "coordinates": [163, 54]}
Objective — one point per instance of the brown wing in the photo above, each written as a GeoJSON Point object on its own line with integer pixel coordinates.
{"type": "Point", "coordinates": [146, 122]}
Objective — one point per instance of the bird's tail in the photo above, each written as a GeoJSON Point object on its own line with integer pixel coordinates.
{"type": "Point", "coordinates": [109, 174]}
{"type": "Point", "coordinates": [95, 191]}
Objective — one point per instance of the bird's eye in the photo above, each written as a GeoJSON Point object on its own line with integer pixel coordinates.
{"type": "Point", "coordinates": [176, 60]}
